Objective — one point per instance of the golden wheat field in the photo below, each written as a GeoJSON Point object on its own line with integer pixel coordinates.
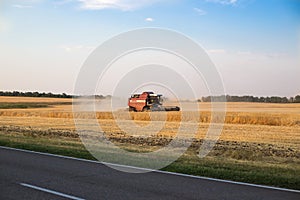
{"type": "Point", "coordinates": [247, 122]}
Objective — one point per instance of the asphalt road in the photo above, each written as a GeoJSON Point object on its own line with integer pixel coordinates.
{"type": "Point", "coordinates": [28, 175]}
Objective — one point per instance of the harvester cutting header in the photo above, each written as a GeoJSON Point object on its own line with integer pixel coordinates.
{"type": "Point", "coordinates": [148, 101]}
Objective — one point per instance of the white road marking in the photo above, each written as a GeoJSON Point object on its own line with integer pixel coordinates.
{"type": "Point", "coordinates": [50, 191]}
{"type": "Point", "coordinates": [157, 171]}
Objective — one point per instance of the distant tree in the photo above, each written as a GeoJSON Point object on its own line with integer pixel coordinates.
{"type": "Point", "coordinates": [206, 99]}
{"type": "Point", "coordinates": [284, 100]}
{"type": "Point", "coordinates": [297, 99]}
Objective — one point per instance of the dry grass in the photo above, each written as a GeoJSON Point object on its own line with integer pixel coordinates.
{"type": "Point", "coordinates": [257, 107]}
{"type": "Point", "coordinates": [283, 135]}
{"type": "Point", "coordinates": [253, 118]}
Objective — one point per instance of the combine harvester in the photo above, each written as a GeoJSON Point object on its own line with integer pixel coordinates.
{"type": "Point", "coordinates": [148, 101]}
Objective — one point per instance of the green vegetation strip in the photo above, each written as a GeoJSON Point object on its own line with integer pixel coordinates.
{"type": "Point", "coordinates": [278, 175]}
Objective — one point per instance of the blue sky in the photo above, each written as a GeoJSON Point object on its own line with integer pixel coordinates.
{"type": "Point", "coordinates": [255, 44]}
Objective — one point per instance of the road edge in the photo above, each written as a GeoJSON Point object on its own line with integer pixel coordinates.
{"type": "Point", "coordinates": [151, 170]}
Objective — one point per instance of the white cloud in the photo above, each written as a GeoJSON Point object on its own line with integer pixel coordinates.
{"type": "Point", "coordinates": [216, 51]}
{"type": "Point", "coordinates": [124, 5]}
{"type": "Point", "coordinates": [200, 11]}
{"type": "Point", "coordinates": [74, 48]}
{"type": "Point", "coordinates": [149, 19]}
{"type": "Point", "coordinates": [21, 6]}
{"type": "Point", "coordinates": [62, 2]}
{"type": "Point", "coordinates": [225, 2]}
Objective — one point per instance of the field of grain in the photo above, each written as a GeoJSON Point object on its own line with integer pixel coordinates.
{"type": "Point", "coordinates": [254, 122]}
{"type": "Point", "coordinates": [237, 113]}
{"type": "Point", "coordinates": [254, 134]}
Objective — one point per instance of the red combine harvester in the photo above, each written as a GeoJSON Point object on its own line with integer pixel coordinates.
{"type": "Point", "coordinates": [148, 101]}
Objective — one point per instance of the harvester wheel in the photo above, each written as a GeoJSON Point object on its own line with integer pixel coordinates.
{"type": "Point", "coordinates": [131, 109]}
{"type": "Point", "coordinates": [146, 109]}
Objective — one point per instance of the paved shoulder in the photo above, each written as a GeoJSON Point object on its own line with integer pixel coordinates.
{"type": "Point", "coordinates": [25, 175]}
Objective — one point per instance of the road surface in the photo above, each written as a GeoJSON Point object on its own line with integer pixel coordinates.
{"type": "Point", "coordinates": [30, 175]}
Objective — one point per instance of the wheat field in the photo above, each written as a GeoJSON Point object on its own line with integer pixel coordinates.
{"type": "Point", "coordinates": [247, 122]}
{"type": "Point", "coordinates": [236, 113]}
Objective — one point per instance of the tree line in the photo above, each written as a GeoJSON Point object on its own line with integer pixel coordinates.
{"type": "Point", "coordinates": [48, 95]}
{"type": "Point", "coordinates": [227, 98]}
{"type": "Point", "coordinates": [34, 94]}
{"type": "Point", "coordinates": [273, 99]}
